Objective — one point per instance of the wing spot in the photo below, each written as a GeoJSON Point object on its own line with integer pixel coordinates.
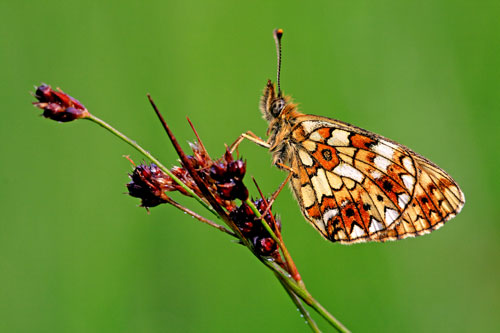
{"type": "Point", "coordinates": [327, 154]}
{"type": "Point", "coordinates": [311, 125]}
{"type": "Point", "coordinates": [357, 232]}
{"type": "Point", "coordinates": [390, 215]}
{"type": "Point", "coordinates": [309, 145]}
{"type": "Point", "coordinates": [408, 181]}
{"type": "Point", "coordinates": [307, 195]}
{"type": "Point", "coordinates": [362, 141]}
{"type": "Point", "coordinates": [408, 164]}
{"type": "Point", "coordinates": [305, 158]}
{"type": "Point", "coordinates": [339, 138]}
{"type": "Point", "coordinates": [383, 150]}
{"type": "Point", "coordinates": [329, 214]}
{"type": "Point", "coordinates": [387, 185]}
{"type": "Point", "coordinates": [346, 170]}
{"type": "Point", "coordinates": [315, 136]}
{"type": "Point", "coordinates": [320, 184]}
{"type": "Point", "coordinates": [334, 180]}
{"type": "Point", "coordinates": [376, 174]}
{"type": "Point", "coordinates": [382, 163]}
{"type": "Point", "coordinates": [375, 225]}
{"type": "Point", "coordinates": [403, 200]}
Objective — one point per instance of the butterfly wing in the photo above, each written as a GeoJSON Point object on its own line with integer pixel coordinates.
{"type": "Point", "coordinates": [356, 186]}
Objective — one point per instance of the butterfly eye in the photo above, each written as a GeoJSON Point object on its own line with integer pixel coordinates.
{"type": "Point", "coordinates": [277, 106]}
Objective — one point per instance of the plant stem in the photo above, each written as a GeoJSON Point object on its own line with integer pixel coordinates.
{"type": "Point", "coordinates": [294, 288]}
{"type": "Point", "coordinates": [302, 292]}
{"type": "Point", "coordinates": [134, 144]}
{"type": "Point", "coordinates": [200, 218]}
{"type": "Point", "coordinates": [259, 215]}
{"type": "Point", "coordinates": [300, 306]}
{"type": "Point", "coordinates": [288, 258]}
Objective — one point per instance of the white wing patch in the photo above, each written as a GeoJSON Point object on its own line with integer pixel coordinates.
{"type": "Point", "coordinates": [403, 200]}
{"type": "Point", "coordinates": [307, 195]}
{"type": "Point", "coordinates": [329, 213]}
{"type": "Point", "coordinates": [390, 215]}
{"type": "Point", "coordinates": [320, 184]}
{"type": "Point", "coordinates": [384, 150]}
{"type": "Point", "coordinates": [382, 163]}
{"type": "Point", "coordinates": [408, 164]}
{"type": "Point", "coordinates": [309, 126]}
{"type": "Point", "coordinates": [339, 138]}
{"type": "Point", "coordinates": [305, 158]}
{"type": "Point", "coordinates": [357, 232]}
{"type": "Point", "coordinates": [409, 181]}
{"type": "Point", "coordinates": [346, 170]}
{"type": "Point", "coordinates": [375, 225]}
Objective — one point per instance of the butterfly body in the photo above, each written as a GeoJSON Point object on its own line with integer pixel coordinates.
{"type": "Point", "coordinates": [354, 185]}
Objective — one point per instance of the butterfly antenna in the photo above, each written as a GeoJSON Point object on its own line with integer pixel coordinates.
{"type": "Point", "coordinates": [278, 33]}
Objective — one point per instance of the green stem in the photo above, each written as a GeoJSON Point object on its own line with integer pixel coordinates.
{"type": "Point", "coordinates": [293, 287]}
{"type": "Point", "coordinates": [288, 258]}
{"type": "Point", "coordinates": [264, 223]}
{"type": "Point", "coordinates": [199, 217]}
{"type": "Point", "coordinates": [134, 144]}
{"type": "Point", "coordinates": [300, 306]}
{"type": "Point", "coordinates": [301, 292]}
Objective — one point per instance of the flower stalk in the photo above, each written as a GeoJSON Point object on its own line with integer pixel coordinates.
{"type": "Point", "coordinates": [217, 185]}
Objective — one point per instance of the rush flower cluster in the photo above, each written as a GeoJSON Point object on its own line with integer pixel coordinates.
{"type": "Point", "coordinates": [149, 183]}
{"type": "Point", "coordinates": [216, 184]}
{"type": "Point", "coordinates": [252, 228]}
{"type": "Point", "coordinates": [58, 106]}
{"type": "Point", "coordinates": [224, 179]}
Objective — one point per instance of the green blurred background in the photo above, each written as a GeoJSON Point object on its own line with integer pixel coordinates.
{"type": "Point", "coordinates": [78, 255]}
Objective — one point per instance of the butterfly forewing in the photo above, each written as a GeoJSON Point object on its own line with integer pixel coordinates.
{"type": "Point", "coordinates": [355, 186]}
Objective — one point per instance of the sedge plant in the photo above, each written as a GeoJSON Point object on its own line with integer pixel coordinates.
{"type": "Point", "coordinates": [217, 184]}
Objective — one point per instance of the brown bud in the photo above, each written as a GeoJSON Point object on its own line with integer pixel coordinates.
{"type": "Point", "coordinates": [147, 183]}
{"type": "Point", "coordinates": [236, 169]}
{"type": "Point", "coordinates": [265, 246]}
{"type": "Point", "coordinates": [250, 226]}
{"type": "Point", "coordinates": [218, 172]}
{"type": "Point", "coordinates": [59, 106]}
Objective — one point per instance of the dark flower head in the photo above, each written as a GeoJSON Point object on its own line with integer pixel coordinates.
{"type": "Point", "coordinates": [228, 176]}
{"type": "Point", "coordinates": [251, 227]}
{"type": "Point", "coordinates": [223, 177]}
{"type": "Point", "coordinates": [59, 106]}
{"type": "Point", "coordinates": [147, 183]}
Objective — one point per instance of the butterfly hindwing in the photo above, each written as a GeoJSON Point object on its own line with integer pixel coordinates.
{"type": "Point", "coordinates": [356, 186]}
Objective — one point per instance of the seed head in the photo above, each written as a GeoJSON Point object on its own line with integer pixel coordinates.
{"type": "Point", "coordinates": [147, 183]}
{"type": "Point", "coordinates": [59, 106]}
{"type": "Point", "coordinates": [251, 227]}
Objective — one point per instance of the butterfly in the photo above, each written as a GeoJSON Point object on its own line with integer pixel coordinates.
{"type": "Point", "coordinates": [351, 184]}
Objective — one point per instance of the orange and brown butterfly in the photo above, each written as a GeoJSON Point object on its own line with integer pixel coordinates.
{"type": "Point", "coordinates": [351, 184]}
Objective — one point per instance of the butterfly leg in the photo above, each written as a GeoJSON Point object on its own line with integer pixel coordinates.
{"type": "Point", "coordinates": [278, 191]}
{"type": "Point", "coordinates": [249, 136]}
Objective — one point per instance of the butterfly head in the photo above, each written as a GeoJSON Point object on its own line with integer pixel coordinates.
{"type": "Point", "coordinates": [272, 103]}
